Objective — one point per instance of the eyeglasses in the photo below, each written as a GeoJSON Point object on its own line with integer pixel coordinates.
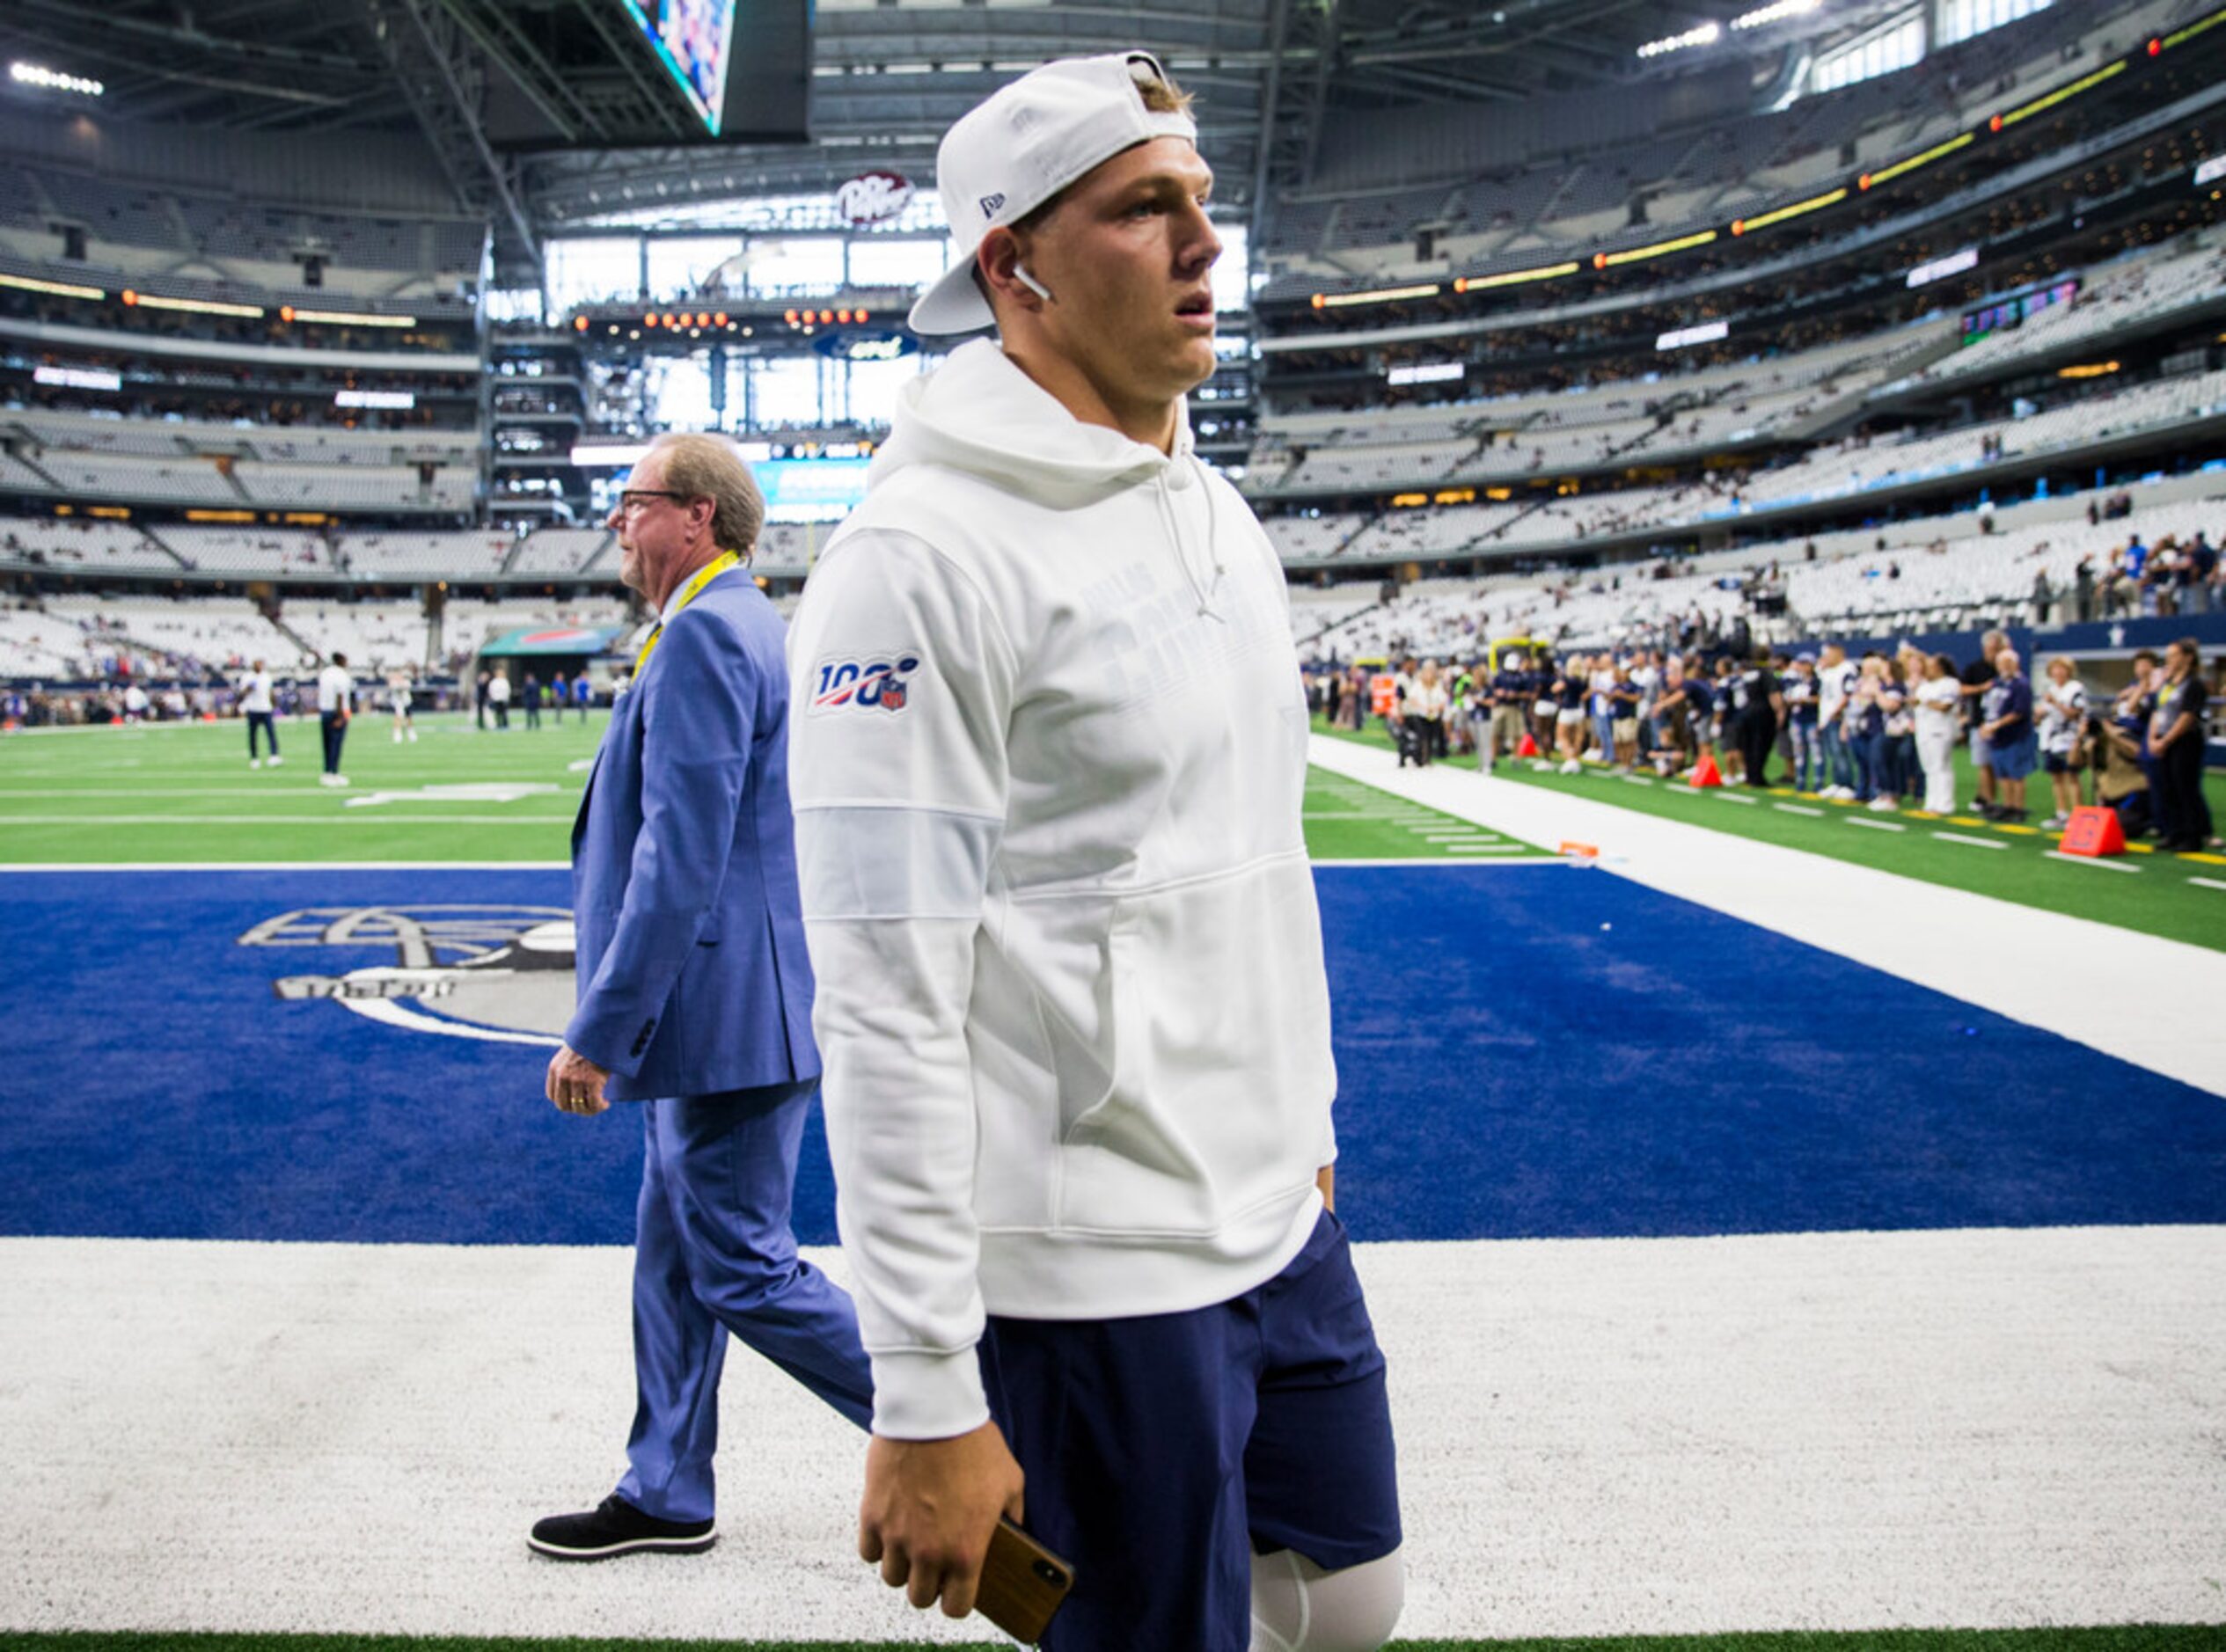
{"type": "Point", "coordinates": [634, 499]}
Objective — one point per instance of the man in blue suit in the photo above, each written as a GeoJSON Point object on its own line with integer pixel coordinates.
{"type": "Point", "coordinates": [695, 999]}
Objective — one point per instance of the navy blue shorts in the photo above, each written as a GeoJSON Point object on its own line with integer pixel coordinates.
{"type": "Point", "coordinates": [1161, 1452]}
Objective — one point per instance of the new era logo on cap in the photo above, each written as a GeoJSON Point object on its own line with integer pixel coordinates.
{"type": "Point", "coordinates": [1027, 141]}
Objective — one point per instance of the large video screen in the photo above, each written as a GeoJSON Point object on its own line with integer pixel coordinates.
{"type": "Point", "coordinates": [695, 41]}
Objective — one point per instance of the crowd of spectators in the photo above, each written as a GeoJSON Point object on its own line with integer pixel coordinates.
{"type": "Point", "coordinates": [1882, 731]}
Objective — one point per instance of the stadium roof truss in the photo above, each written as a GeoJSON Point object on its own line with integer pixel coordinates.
{"type": "Point", "coordinates": [470, 76]}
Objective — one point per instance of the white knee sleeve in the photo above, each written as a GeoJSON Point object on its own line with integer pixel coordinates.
{"type": "Point", "coordinates": [1298, 1607]}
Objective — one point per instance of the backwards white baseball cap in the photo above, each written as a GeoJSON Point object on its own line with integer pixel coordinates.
{"type": "Point", "coordinates": [1021, 146]}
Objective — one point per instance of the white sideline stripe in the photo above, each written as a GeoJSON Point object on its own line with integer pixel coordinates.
{"type": "Point", "coordinates": [2208, 883]}
{"type": "Point", "coordinates": [1974, 1429]}
{"type": "Point", "coordinates": [1870, 825]}
{"type": "Point", "coordinates": [293, 866]}
{"type": "Point", "coordinates": [2140, 997]}
{"type": "Point", "coordinates": [2089, 860]}
{"type": "Point", "coordinates": [1972, 843]}
{"type": "Point", "coordinates": [1732, 797]}
{"type": "Point", "coordinates": [1797, 808]}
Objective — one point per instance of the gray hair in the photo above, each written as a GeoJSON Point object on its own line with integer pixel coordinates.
{"type": "Point", "coordinates": [701, 466]}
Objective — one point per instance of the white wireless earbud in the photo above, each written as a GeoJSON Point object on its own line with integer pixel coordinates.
{"type": "Point", "coordinates": [1020, 274]}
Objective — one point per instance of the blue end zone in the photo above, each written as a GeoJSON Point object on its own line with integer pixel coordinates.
{"type": "Point", "coordinates": [1510, 1068]}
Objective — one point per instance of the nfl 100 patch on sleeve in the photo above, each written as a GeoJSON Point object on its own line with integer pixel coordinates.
{"type": "Point", "coordinates": [882, 683]}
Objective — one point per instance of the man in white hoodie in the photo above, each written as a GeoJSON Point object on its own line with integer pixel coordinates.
{"type": "Point", "coordinates": [1048, 748]}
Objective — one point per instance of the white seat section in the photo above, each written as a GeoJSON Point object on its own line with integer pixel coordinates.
{"type": "Point", "coordinates": [465, 554]}
{"type": "Point", "coordinates": [80, 544]}
{"type": "Point", "coordinates": [561, 550]}
{"type": "Point", "coordinates": [1456, 618]}
{"type": "Point", "coordinates": [1995, 572]}
{"type": "Point", "coordinates": [166, 635]}
{"type": "Point", "coordinates": [254, 550]}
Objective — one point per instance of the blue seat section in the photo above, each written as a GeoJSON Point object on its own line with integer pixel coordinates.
{"type": "Point", "coordinates": [1531, 1051]}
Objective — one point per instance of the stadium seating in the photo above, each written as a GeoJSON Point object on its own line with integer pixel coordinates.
{"type": "Point", "coordinates": [2137, 291]}
{"type": "Point", "coordinates": [255, 552]}
{"type": "Point", "coordinates": [1985, 576]}
{"type": "Point", "coordinates": [561, 550]}
{"type": "Point", "coordinates": [170, 637]}
{"type": "Point", "coordinates": [82, 546]}
{"type": "Point", "coordinates": [1566, 191]}
{"type": "Point", "coordinates": [465, 555]}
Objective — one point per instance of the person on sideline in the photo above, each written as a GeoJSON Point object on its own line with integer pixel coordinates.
{"type": "Point", "coordinates": [1978, 681]}
{"type": "Point", "coordinates": [1051, 746]}
{"type": "Point", "coordinates": [695, 999]}
{"type": "Point", "coordinates": [335, 703]}
{"type": "Point", "coordinates": [2176, 749]}
{"type": "Point", "coordinates": [255, 705]}
{"type": "Point", "coordinates": [529, 696]}
{"type": "Point", "coordinates": [2006, 725]}
{"type": "Point", "coordinates": [1835, 676]}
{"type": "Point", "coordinates": [582, 694]}
{"type": "Point", "coordinates": [2063, 716]}
{"type": "Point", "coordinates": [498, 699]}
{"type": "Point", "coordinates": [398, 701]}
{"type": "Point", "coordinates": [1939, 702]}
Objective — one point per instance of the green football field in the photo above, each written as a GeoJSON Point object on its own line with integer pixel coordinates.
{"type": "Point", "coordinates": [183, 793]}
{"type": "Point", "coordinates": [2182, 898]}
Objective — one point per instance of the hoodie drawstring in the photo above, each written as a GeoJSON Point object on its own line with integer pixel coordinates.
{"type": "Point", "coordinates": [1200, 588]}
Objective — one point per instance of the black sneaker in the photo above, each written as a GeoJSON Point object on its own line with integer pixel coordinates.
{"type": "Point", "coordinates": [617, 1528]}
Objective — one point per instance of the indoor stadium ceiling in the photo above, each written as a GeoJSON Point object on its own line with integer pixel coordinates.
{"type": "Point", "coordinates": [547, 113]}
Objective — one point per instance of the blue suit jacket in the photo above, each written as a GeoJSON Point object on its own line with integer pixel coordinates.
{"type": "Point", "coordinates": [692, 974]}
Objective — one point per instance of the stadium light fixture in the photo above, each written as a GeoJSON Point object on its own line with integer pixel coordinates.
{"type": "Point", "coordinates": [1764, 220]}
{"type": "Point", "coordinates": [1514, 277]}
{"type": "Point", "coordinates": [1775, 12]}
{"type": "Point", "coordinates": [53, 80]}
{"type": "Point", "coordinates": [1610, 261]}
{"type": "Point", "coordinates": [1378, 296]}
{"type": "Point", "coordinates": [1704, 34]}
{"type": "Point", "coordinates": [2087, 82]}
{"type": "Point", "coordinates": [191, 306]}
{"type": "Point", "coordinates": [345, 318]}
{"type": "Point", "coordinates": [1938, 151]}
{"type": "Point", "coordinates": [60, 290]}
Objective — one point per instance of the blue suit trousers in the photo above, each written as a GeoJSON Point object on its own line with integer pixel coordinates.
{"type": "Point", "coordinates": [713, 1253]}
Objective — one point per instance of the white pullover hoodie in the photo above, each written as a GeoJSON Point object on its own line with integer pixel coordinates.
{"type": "Point", "coordinates": [1048, 749]}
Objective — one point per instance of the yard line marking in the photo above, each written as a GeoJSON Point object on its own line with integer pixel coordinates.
{"type": "Point", "coordinates": [1975, 842]}
{"type": "Point", "coordinates": [288, 865]}
{"type": "Point", "coordinates": [1734, 797]}
{"type": "Point", "coordinates": [1795, 809]}
{"type": "Point", "coordinates": [1875, 825]}
{"type": "Point", "coordinates": [2208, 883]}
{"type": "Point", "coordinates": [284, 820]}
{"type": "Point", "coordinates": [1638, 780]}
{"type": "Point", "coordinates": [2088, 860]}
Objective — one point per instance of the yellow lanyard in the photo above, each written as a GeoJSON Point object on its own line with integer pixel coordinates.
{"type": "Point", "coordinates": [689, 592]}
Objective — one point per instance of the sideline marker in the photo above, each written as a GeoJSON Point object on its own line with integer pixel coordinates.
{"type": "Point", "coordinates": [1706, 773]}
{"type": "Point", "coordinates": [2094, 832]}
